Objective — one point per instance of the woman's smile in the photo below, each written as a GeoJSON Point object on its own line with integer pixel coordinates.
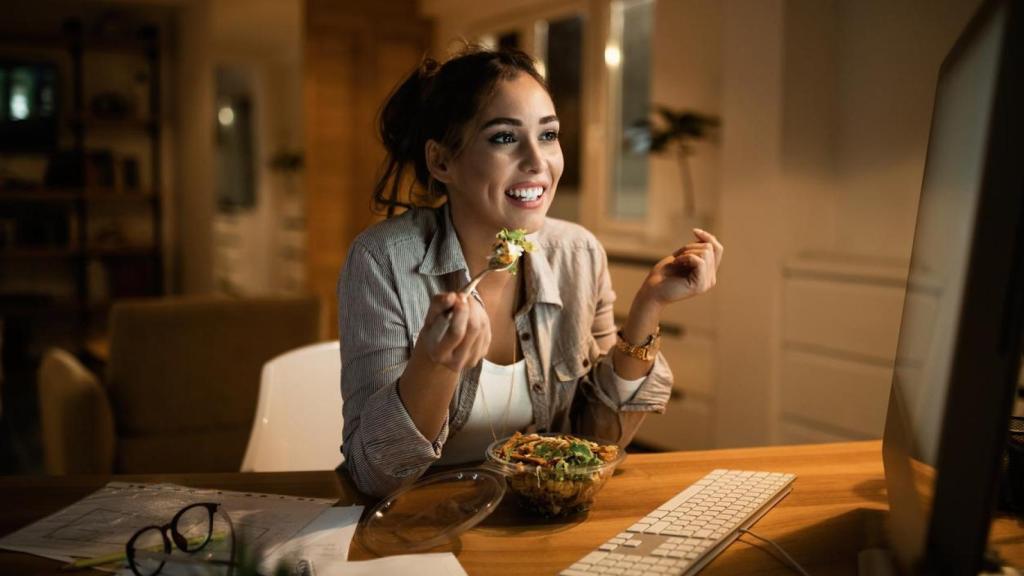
{"type": "Point", "coordinates": [528, 195]}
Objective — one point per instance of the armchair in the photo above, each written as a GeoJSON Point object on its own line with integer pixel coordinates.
{"type": "Point", "coordinates": [180, 389]}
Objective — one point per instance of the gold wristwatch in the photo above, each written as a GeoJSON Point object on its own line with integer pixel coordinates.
{"type": "Point", "coordinates": [645, 351]}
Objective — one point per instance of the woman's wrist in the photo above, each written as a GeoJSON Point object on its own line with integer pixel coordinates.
{"type": "Point", "coordinates": [644, 316]}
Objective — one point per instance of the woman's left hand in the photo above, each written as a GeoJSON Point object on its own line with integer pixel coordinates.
{"type": "Point", "coordinates": [689, 271]}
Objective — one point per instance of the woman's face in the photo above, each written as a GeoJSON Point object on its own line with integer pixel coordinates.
{"type": "Point", "coordinates": [507, 172]}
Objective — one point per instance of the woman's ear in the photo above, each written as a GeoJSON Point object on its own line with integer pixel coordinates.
{"type": "Point", "coordinates": [438, 161]}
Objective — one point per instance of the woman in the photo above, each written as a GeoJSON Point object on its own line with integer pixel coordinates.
{"type": "Point", "coordinates": [537, 350]}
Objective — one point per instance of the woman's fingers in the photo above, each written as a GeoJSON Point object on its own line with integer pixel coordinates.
{"type": "Point", "coordinates": [468, 352]}
{"type": "Point", "coordinates": [439, 304]}
{"type": "Point", "coordinates": [708, 237]}
{"type": "Point", "coordinates": [463, 337]}
{"type": "Point", "coordinates": [457, 324]}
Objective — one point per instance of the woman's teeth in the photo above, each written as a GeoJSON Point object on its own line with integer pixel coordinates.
{"type": "Point", "coordinates": [526, 194]}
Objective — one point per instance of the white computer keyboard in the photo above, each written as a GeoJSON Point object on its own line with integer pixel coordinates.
{"type": "Point", "coordinates": [682, 535]}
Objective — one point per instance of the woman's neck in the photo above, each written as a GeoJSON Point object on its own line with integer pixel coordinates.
{"type": "Point", "coordinates": [476, 241]}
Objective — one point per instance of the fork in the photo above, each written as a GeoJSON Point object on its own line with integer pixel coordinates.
{"type": "Point", "coordinates": [492, 267]}
{"type": "Point", "coordinates": [441, 325]}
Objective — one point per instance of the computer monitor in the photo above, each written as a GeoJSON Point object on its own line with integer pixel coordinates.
{"type": "Point", "coordinates": [960, 340]}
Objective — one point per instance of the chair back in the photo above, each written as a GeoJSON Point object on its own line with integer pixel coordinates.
{"type": "Point", "coordinates": [298, 414]}
{"type": "Point", "coordinates": [184, 374]}
{"type": "Point", "coordinates": [76, 426]}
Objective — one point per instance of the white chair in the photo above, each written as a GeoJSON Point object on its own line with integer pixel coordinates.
{"type": "Point", "coordinates": [298, 413]}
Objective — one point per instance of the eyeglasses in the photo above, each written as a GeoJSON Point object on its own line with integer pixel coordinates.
{"type": "Point", "coordinates": [190, 531]}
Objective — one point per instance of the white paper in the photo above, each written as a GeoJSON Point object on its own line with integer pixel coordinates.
{"type": "Point", "coordinates": [102, 522]}
{"type": "Point", "coordinates": [442, 564]}
{"type": "Point", "coordinates": [324, 541]}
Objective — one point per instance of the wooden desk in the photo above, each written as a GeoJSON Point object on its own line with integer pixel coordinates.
{"type": "Point", "coordinates": [835, 510]}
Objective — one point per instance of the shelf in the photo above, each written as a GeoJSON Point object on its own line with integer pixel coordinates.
{"type": "Point", "coordinates": [148, 125]}
{"type": "Point", "coordinates": [32, 303]}
{"type": "Point", "coordinates": [38, 253]}
{"type": "Point", "coordinates": [115, 195]}
{"type": "Point", "coordinates": [37, 195]}
{"type": "Point", "coordinates": [92, 194]}
{"type": "Point", "coordinates": [123, 251]}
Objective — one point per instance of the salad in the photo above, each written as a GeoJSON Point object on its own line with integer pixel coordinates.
{"type": "Point", "coordinates": [509, 246]}
{"type": "Point", "coordinates": [555, 474]}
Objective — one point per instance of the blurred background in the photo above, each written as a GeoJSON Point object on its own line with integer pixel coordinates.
{"type": "Point", "coordinates": [225, 149]}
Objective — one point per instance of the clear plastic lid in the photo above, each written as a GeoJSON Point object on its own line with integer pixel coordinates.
{"type": "Point", "coordinates": [432, 511]}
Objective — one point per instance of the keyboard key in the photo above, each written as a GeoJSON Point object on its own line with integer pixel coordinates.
{"type": "Point", "coordinates": [657, 528]}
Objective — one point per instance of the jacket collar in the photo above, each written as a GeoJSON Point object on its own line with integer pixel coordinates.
{"type": "Point", "coordinates": [444, 253]}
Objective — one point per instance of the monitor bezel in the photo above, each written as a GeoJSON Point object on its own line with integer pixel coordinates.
{"type": "Point", "coordinates": [974, 426]}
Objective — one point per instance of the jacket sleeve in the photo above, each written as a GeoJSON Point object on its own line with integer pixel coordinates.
{"type": "Point", "coordinates": [383, 448]}
{"type": "Point", "coordinates": [598, 410]}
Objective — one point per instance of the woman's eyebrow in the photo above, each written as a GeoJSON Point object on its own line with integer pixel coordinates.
{"type": "Point", "coordinates": [515, 121]}
{"type": "Point", "coordinates": [501, 120]}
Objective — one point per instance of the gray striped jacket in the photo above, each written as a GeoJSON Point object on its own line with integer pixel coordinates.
{"type": "Point", "coordinates": [566, 328]}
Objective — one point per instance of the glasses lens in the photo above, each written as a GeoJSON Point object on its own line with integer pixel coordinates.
{"type": "Point", "coordinates": [193, 528]}
{"type": "Point", "coordinates": [149, 551]}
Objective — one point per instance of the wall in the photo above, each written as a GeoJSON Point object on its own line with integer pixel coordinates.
{"type": "Point", "coordinates": [193, 206]}
{"type": "Point", "coordinates": [263, 38]}
{"type": "Point", "coordinates": [687, 73]}
{"type": "Point", "coordinates": [825, 108]}
{"type": "Point", "coordinates": [887, 63]}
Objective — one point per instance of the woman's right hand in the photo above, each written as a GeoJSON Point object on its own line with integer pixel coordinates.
{"type": "Point", "coordinates": [459, 340]}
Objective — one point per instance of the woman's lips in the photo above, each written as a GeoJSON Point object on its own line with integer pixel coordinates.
{"type": "Point", "coordinates": [526, 196]}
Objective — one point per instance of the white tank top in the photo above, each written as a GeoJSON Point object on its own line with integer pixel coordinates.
{"type": "Point", "coordinates": [492, 398]}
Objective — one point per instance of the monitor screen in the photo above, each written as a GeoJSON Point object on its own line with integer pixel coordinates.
{"type": "Point", "coordinates": [962, 297]}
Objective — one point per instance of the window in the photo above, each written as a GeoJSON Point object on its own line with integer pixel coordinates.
{"type": "Point", "coordinates": [627, 56]}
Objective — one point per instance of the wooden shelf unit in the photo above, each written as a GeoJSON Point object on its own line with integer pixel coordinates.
{"type": "Point", "coordinates": [67, 221]}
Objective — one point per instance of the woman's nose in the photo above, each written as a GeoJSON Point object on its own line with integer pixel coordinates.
{"type": "Point", "coordinates": [533, 160]}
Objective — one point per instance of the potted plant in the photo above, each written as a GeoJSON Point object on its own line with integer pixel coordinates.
{"type": "Point", "coordinates": [673, 132]}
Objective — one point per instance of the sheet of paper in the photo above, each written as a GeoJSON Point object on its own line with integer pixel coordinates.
{"type": "Point", "coordinates": [102, 522]}
{"type": "Point", "coordinates": [443, 564]}
{"type": "Point", "coordinates": [324, 541]}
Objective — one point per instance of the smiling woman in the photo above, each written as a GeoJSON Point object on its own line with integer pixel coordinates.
{"type": "Point", "coordinates": [537, 351]}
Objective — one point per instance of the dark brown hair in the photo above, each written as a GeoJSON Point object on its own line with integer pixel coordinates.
{"type": "Point", "coordinates": [437, 102]}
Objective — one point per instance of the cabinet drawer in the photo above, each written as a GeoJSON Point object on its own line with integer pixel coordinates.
{"type": "Point", "coordinates": [837, 393]}
{"type": "Point", "coordinates": [692, 358]}
{"type": "Point", "coordinates": [797, 433]}
{"type": "Point", "coordinates": [685, 425]}
{"type": "Point", "coordinates": [858, 318]}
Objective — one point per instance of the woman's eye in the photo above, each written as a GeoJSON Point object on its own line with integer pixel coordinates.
{"type": "Point", "coordinates": [503, 138]}
{"type": "Point", "coordinates": [549, 135]}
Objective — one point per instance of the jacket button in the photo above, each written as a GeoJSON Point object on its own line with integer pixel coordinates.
{"type": "Point", "coordinates": [526, 337]}
{"type": "Point", "coordinates": [537, 387]}
{"type": "Point", "coordinates": [586, 362]}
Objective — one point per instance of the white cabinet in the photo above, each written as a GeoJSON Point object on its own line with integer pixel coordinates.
{"type": "Point", "coordinates": [840, 326]}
